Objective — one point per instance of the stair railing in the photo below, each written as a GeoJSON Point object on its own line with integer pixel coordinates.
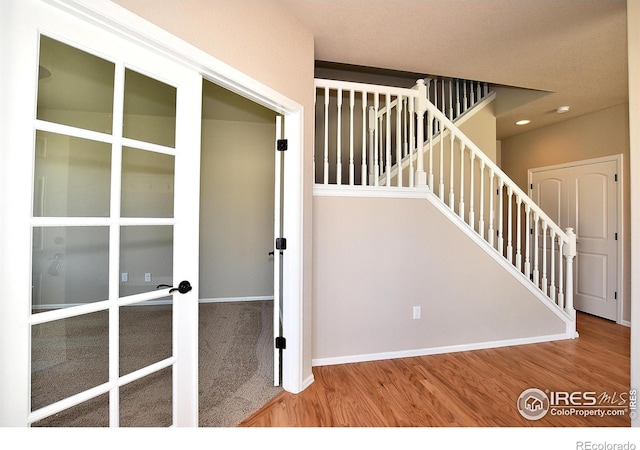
{"type": "Point", "coordinates": [381, 149]}
{"type": "Point", "coordinates": [472, 186]}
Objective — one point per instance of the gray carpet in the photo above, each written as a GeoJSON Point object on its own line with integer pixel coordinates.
{"type": "Point", "coordinates": [235, 365]}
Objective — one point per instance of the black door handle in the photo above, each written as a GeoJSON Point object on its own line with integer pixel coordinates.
{"type": "Point", "coordinates": [183, 287]}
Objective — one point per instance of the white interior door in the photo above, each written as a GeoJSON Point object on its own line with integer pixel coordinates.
{"type": "Point", "coordinates": [114, 189]}
{"type": "Point", "coordinates": [584, 197]}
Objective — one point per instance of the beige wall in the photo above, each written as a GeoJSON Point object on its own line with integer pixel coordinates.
{"type": "Point", "coordinates": [262, 40]}
{"type": "Point", "coordinates": [481, 129]}
{"type": "Point", "coordinates": [236, 209]}
{"type": "Point", "coordinates": [594, 135]}
{"type": "Point", "coordinates": [374, 259]}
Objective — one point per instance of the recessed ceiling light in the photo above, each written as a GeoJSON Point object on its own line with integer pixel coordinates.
{"type": "Point", "coordinates": [523, 122]}
{"type": "Point", "coordinates": [562, 109]}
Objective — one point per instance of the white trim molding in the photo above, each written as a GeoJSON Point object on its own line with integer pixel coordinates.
{"type": "Point", "coordinates": [436, 350]}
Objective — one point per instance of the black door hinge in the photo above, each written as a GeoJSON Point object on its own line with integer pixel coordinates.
{"type": "Point", "coordinates": [616, 236]}
{"type": "Point", "coordinates": [616, 178]}
{"type": "Point", "coordinates": [281, 343]}
{"type": "Point", "coordinates": [282, 145]}
{"type": "Point", "coordinates": [615, 295]}
{"type": "Point", "coordinates": [281, 244]}
{"type": "Point", "coordinates": [531, 186]}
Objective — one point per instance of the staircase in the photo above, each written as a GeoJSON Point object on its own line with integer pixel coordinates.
{"type": "Point", "coordinates": [387, 141]}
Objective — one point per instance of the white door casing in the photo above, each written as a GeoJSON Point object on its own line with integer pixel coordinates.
{"type": "Point", "coordinates": [586, 196]}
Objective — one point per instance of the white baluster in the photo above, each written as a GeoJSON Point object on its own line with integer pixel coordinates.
{"type": "Point", "coordinates": [482, 194]}
{"type": "Point", "coordinates": [363, 167]}
{"type": "Point", "coordinates": [326, 135]}
{"type": "Point", "coordinates": [373, 167]}
{"type": "Point", "coordinates": [450, 100]}
{"type": "Point", "coordinates": [435, 97]}
{"type": "Point", "coordinates": [399, 102]}
{"type": "Point", "coordinates": [536, 258]}
{"type": "Point", "coordinates": [457, 98]}
{"type": "Point", "coordinates": [527, 245]}
{"type": "Point", "coordinates": [387, 150]}
{"type": "Point", "coordinates": [560, 274]}
{"type": "Point", "coordinates": [376, 150]}
{"type": "Point", "coordinates": [552, 271]}
{"type": "Point", "coordinates": [501, 217]}
{"type": "Point", "coordinates": [431, 134]}
{"type": "Point", "coordinates": [441, 184]}
{"type": "Point", "coordinates": [492, 211]}
{"type": "Point", "coordinates": [315, 103]}
{"type": "Point", "coordinates": [461, 206]}
{"type": "Point", "coordinates": [472, 217]}
{"type": "Point", "coordinates": [509, 224]}
{"type": "Point", "coordinates": [405, 128]}
{"type": "Point", "coordinates": [570, 253]}
{"type": "Point", "coordinates": [519, 234]}
{"type": "Point", "coordinates": [352, 103]}
{"type": "Point", "coordinates": [412, 148]}
{"type": "Point", "coordinates": [421, 107]}
{"type": "Point", "coordinates": [452, 194]}
{"type": "Point", "coordinates": [465, 104]}
{"type": "Point", "coordinates": [444, 107]}
{"type": "Point", "coordinates": [544, 258]}
{"type": "Point", "coordinates": [339, 140]}
{"type": "Point", "coordinates": [473, 95]}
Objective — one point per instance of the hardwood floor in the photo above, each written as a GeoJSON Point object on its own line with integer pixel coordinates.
{"type": "Point", "coordinates": [468, 389]}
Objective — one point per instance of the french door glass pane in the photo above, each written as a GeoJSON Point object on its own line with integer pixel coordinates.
{"type": "Point", "coordinates": [68, 356]}
{"type": "Point", "coordinates": [72, 176]}
{"type": "Point", "coordinates": [148, 402]}
{"type": "Point", "coordinates": [146, 257]}
{"type": "Point", "coordinates": [147, 183]}
{"type": "Point", "coordinates": [145, 334]}
{"type": "Point", "coordinates": [70, 266]}
{"type": "Point", "coordinates": [92, 413]}
{"type": "Point", "coordinates": [75, 88]}
{"type": "Point", "coordinates": [149, 110]}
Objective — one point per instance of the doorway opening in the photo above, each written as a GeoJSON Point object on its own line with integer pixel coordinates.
{"type": "Point", "coordinates": [236, 331]}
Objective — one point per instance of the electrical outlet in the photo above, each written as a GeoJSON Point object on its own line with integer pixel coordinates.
{"type": "Point", "coordinates": [124, 277]}
{"type": "Point", "coordinates": [417, 312]}
{"type": "Point", "coordinates": [147, 277]}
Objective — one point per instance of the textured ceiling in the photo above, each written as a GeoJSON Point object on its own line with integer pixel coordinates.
{"type": "Point", "coordinates": [575, 50]}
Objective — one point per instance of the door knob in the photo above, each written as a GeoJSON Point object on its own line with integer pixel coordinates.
{"type": "Point", "coordinates": [183, 287]}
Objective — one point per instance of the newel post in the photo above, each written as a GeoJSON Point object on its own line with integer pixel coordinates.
{"type": "Point", "coordinates": [569, 250]}
{"type": "Point", "coordinates": [420, 109]}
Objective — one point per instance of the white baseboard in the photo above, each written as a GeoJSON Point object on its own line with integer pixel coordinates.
{"type": "Point", "coordinates": [307, 382]}
{"type": "Point", "coordinates": [626, 323]}
{"type": "Point", "coordinates": [236, 299]}
{"type": "Point", "coordinates": [436, 350]}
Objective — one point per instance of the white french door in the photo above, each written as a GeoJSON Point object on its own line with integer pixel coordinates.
{"type": "Point", "coordinates": [109, 159]}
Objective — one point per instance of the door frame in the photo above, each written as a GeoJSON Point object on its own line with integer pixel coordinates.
{"type": "Point", "coordinates": [618, 159]}
{"type": "Point", "coordinates": [15, 258]}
